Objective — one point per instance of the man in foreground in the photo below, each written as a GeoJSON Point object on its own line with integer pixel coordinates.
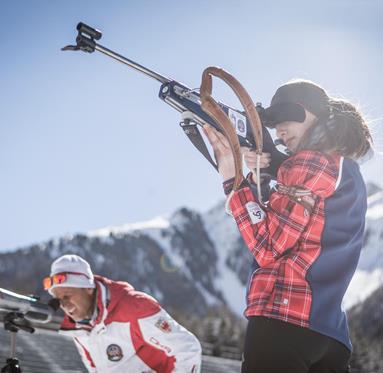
{"type": "Point", "coordinates": [116, 328]}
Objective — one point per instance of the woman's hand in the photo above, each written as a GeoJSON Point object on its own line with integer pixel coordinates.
{"type": "Point", "coordinates": [250, 157]}
{"type": "Point", "coordinates": [222, 152]}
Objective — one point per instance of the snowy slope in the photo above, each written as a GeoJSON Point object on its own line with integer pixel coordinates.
{"type": "Point", "coordinates": [221, 230]}
{"type": "Point", "coordinates": [224, 233]}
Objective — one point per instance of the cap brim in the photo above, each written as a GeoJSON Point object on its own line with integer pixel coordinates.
{"type": "Point", "coordinates": [283, 112]}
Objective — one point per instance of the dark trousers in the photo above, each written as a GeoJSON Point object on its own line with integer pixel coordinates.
{"type": "Point", "coordinates": [273, 346]}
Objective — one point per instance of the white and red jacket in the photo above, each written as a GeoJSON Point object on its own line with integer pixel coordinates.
{"type": "Point", "coordinates": [131, 333]}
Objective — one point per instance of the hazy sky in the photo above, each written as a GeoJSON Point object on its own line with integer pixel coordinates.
{"type": "Point", "coordinates": [85, 142]}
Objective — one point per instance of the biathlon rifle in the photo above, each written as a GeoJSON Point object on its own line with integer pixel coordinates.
{"type": "Point", "coordinates": [188, 102]}
{"type": "Point", "coordinates": [18, 312]}
{"type": "Point", "coordinates": [27, 307]}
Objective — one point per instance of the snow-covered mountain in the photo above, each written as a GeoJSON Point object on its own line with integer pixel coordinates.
{"type": "Point", "coordinates": [189, 261]}
{"type": "Point", "coordinates": [174, 259]}
{"type": "Point", "coordinates": [228, 260]}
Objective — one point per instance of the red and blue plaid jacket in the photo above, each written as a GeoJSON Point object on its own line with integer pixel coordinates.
{"type": "Point", "coordinates": [285, 239]}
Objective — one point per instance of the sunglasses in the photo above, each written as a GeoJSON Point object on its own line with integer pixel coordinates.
{"type": "Point", "coordinates": [58, 278]}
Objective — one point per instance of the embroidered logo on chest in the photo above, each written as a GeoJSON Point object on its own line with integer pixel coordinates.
{"type": "Point", "coordinates": [163, 325]}
{"type": "Point", "coordinates": [114, 352]}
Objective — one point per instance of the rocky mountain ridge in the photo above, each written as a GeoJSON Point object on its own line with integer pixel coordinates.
{"type": "Point", "coordinates": [188, 261]}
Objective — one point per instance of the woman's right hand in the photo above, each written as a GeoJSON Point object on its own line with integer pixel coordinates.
{"type": "Point", "coordinates": [250, 157]}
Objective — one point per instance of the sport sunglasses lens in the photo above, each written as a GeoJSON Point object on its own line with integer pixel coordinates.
{"type": "Point", "coordinates": [47, 283]}
{"type": "Point", "coordinates": [59, 278]}
{"type": "Point", "coordinates": [54, 280]}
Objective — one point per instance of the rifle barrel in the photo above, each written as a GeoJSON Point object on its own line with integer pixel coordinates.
{"type": "Point", "coordinates": [162, 79]}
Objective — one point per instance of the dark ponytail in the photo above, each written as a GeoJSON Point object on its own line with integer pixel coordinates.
{"type": "Point", "coordinates": [341, 129]}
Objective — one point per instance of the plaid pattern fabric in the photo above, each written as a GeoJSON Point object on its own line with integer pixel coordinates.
{"type": "Point", "coordinates": [287, 240]}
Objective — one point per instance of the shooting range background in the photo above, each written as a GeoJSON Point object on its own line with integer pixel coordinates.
{"type": "Point", "coordinates": [86, 143]}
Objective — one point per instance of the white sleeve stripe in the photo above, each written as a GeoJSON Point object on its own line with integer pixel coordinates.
{"type": "Point", "coordinates": [340, 173]}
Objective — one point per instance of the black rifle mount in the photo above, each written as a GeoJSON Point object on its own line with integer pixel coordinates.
{"type": "Point", "coordinates": [13, 322]}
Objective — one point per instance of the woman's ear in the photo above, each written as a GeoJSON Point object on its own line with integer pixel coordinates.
{"type": "Point", "coordinates": [310, 118]}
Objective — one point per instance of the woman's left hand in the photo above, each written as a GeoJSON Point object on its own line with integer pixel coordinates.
{"type": "Point", "coordinates": [222, 152]}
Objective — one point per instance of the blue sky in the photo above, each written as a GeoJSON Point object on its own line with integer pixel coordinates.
{"type": "Point", "coordinates": [85, 142]}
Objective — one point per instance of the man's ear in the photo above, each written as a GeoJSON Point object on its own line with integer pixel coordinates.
{"type": "Point", "coordinates": [90, 291]}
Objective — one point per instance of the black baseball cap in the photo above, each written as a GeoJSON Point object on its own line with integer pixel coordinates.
{"type": "Point", "coordinates": [290, 101]}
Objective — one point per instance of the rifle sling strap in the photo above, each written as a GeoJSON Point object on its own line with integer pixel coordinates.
{"type": "Point", "coordinates": [211, 107]}
{"type": "Point", "coordinates": [192, 132]}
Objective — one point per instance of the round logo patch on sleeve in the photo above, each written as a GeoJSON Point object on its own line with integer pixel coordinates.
{"type": "Point", "coordinates": [163, 325]}
{"type": "Point", "coordinates": [114, 352]}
